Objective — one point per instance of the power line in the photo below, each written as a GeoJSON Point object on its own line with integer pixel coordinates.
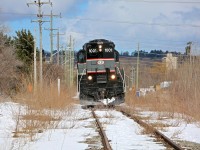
{"type": "Point", "coordinates": [140, 23]}
{"type": "Point", "coordinates": [144, 42]}
{"type": "Point", "coordinates": [14, 13]}
{"type": "Point", "coordinates": [158, 1]}
{"type": "Point", "coordinates": [150, 40]}
{"type": "Point", "coordinates": [117, 21]}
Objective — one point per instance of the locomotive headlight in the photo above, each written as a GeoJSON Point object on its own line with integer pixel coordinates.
{"type": "Point", "coordinates": [100, 48]}
{"type": "Point", "coordinates": [89, 77]}
{"type": "Point", "coordinates": [112, 76]}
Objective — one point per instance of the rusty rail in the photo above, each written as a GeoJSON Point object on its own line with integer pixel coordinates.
{"type": "Point", "coordinates": [151, 128]}
{"type": "Point", "coordinates": [105, 141]}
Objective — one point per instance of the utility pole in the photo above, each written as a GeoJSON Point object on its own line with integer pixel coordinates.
{"type": "Point", "coordinates": [190, 52]}
{"type": "Point", "coordinates": [58, 51]}
{"type": "Point", "coordinates": [58, 46]}
{"type": "Point", "coordinates": [70, 54]}
{"type": "Point", "coordinates": [51, 32]}
{"type": "Point", "coordinates": [62, 55]}
{"type": "Point", "coordinates": [35, 68]}
{"type": "Point", "coordinates": [39, 15]}
{"type": "Point", "coordinates": [132, 77]}
{"type": "Point", "coordinates": [72, 61]}
{"type": "Point", "coordinates": [137, 71]}
{"type": "Point", "coordinates": [65, 64]}
{"type": "Point", "coordinates": [69, 59]}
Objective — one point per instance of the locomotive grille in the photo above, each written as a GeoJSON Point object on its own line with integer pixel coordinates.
{"type": "Point", "coordinates": [101, 78]}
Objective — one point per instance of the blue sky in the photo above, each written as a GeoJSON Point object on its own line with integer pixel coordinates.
{"type": "Point", "coordinates": [160, 24]}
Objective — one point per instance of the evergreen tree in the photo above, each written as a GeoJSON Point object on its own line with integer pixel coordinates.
{"type": "Point", "coordinates": [24, 43]}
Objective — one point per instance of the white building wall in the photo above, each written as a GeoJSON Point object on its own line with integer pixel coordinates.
{"type": "Point", "coordinates": [170, 61]}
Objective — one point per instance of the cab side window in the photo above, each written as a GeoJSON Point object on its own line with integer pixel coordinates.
{"type": "Point", "coordinates": [81, 57]}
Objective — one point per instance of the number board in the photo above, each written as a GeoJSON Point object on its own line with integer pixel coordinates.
{"type": "Point", "coordinates": [92, 50]}
{"type": "Point", "coordinates": [108, 50]}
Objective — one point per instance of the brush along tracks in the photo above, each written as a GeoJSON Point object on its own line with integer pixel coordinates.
{"type": "Point", "coordinates": [119, 129]}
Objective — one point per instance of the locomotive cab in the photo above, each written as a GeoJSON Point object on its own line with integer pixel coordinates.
{"type": "Point", "coordinates": [99, 73]}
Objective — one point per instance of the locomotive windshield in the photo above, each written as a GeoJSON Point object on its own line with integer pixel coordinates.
{"type": "Point", "coordinates": [100, 50]}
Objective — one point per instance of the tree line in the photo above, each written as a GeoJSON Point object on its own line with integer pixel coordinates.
{"type": "Point", "coordinates": [157, 53]}
{"type": "Point", "coordinates": [154, 53]}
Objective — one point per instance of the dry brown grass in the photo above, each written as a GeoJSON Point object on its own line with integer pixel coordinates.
{"type": "Point", "coordinates": [47, 97]}
{"type": "Point", "coordinates": [42, 109]}
{"type": "Point", "coordinates": [182, 97]}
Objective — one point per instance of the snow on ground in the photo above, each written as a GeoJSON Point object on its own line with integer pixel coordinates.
{"type": "Point", "coordinates": [175, 126]}
{"type": "Point", "coordinates": [76, 131]}
{"type": "Point", "coordinates": [71, 133]}
{"type": "Point", "coordinates": [108, 101]}
{"type": "Point", "coordinates": [124, 133]}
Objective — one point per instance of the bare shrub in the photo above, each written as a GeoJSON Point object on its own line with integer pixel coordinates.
{"type": "Point", "coordinates": [45, 106]}
{"type": "Point", "coordinates": [29, 122]}
{"type": "Point", "coordinates": [176, 134]}
{"type": "Point", "coordinates": [182, 97]}
{"type": "Point", "coordinates": [8, 67]}
{"type": "Point", "coordinates": [52, 72]}
{"type": "Point", "coordinates": [108, 115]}
{"type": "Point", "coordinates": [186, 87]}
{"type": "Point", "coordinates": [44, 109]}
{"type": "Point", "coordinates": [130, 97]}
{"type": "Point", "coordinates": [17, 120]}
{"type": "Point", "coordinates": [47, 96]}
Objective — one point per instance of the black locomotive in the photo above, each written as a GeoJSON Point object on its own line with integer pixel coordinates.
{"type": "Point", "coordinates": [100, 77]}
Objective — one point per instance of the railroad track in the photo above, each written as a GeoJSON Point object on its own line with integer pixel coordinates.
{"type": "Point", "coordinates": [104, 138]}
{"type": "Point", "coordinates": [106, 141]}
{"type": "Point", "coordinates": [152, 129]}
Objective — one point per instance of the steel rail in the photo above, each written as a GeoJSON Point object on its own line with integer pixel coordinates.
{"type": "Point", "coordinates": [105, 141]}
{"type": "Point", "coordinates": [151, 128]}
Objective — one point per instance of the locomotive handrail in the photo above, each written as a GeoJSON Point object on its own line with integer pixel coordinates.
{"type": "Point", "coordinates": [124, 83]}
{"type": "Point", "coordinates": [80, 80]}
{"type": "Point", "coordinates": [123, 79]}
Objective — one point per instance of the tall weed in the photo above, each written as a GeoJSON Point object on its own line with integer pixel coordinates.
{"type": "Point", "coordinates": [181, 97]}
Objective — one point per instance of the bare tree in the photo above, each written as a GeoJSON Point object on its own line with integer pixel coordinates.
{"type": "Point", "coordinates": [9, 63]}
